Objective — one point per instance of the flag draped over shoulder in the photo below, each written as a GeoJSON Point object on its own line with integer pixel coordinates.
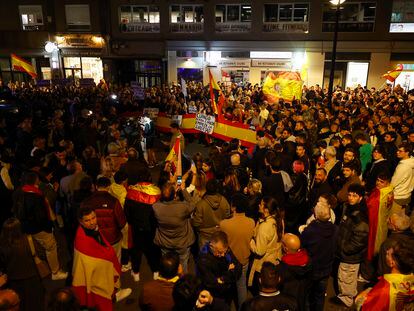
{"type": "Point", "coordinates": [379, 209]}
{"type": "Point", "coordinates": [393, 292]}
{"type": "Point", "coordinates": [96, 272]}
{"type": "Point", "coordinates": [23, 65]}
{"type": "Point", "coordinates": [174, 157]}
{"type": "Point", "coordinates": [393, 74]}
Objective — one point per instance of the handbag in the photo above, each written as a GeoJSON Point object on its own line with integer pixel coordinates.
{"type": "Point", "coordinates": [42, 266]}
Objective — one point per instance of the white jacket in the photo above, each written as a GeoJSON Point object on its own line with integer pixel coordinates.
{"type": "Point", "coordinates": [403, 179]}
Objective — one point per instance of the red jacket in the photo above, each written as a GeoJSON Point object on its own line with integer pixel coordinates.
{"type": "Point", "coordinates": [109, 213]}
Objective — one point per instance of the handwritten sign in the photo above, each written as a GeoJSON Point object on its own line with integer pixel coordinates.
{"type": "Point", "coordinates": [205, 123]}
{"type": "Point", "coordinates": [192, 109]}
{"type": "Point", "coordinates": [139, 92]}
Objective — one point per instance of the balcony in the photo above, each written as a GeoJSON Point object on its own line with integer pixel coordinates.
{"type": "Point", "coordinates": [291, 27]}
{"type": "Point", "coordinates": [367, 26]}
{"type": "Point", "coordinates": [140, 27]}
{"type": "Point", "coordinates": [233, 27]}
{"type": "Point", "coordinates": [187, 27]}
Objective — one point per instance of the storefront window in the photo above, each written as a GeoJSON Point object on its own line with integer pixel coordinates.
{"type": "Point", "coordinates": [357, 74]}
{"type": "Point", "coordinates": [72, 62]}
{"type": "Point", "coordinates": [402, 17]}
{"type": "Point", "coordinates": [83, 68]}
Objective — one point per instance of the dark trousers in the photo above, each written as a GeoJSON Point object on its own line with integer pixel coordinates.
{"type": "Point", "coordinates": [317, 294]}
{"type": "Point", "coordinates": [143, 244]}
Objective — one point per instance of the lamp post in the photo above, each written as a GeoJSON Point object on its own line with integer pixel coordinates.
{"type": "Point", "coordinates": [53, 50]}
{"type": "Point", "coordinates": [335, 41]}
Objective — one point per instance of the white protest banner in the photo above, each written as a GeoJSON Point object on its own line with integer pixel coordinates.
{"type": "Point", "coordinates": [138, 90]}
{"type": "Point", "coordinates": [205, 123]}
{"type": "Point", "coordinates": [152, 112]}
{"type": "Point", "coordinates": [192, 109]}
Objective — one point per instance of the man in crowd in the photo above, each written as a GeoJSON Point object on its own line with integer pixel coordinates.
{"type": "Point", "coordinates": [239, 230]}
{"type": "Point", "coordinates": [96, 269]}
{"type": "Point", "coordinates": [218, 268]}
{"type": "Point", "coordinates": [109, 213]}
{"type": "Point", "coordinates": [380, 165]}
{"type": "Point", "coordinates": [320, 186]}
{"type": "Point", "coordinates": [403, 178]}
{"type": "Point", "coordinates": [156, 295]}
{"type": "Point", "coordinates": [351, 177]}
{"type": "Point", "coordinates": [319, 239]}
{"type": "Point", "coordinates": [352, 244]}
{"type": "Point", "coordinates": [270, 298]}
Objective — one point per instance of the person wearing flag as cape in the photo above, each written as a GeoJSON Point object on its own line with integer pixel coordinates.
{"type": "Point", "coordinates": [394, 291]}
{"type": "Point", "coordinates": [96, 269]}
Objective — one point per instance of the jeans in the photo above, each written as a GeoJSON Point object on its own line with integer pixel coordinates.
{"type": "Point", "coordinates": [242, 286]}
{"type": "Point", "coordinates": [317, 294]}
{"type": "Point", "coordinates": [183, 253]}
{"type": "Point", "coordinates": [347, 282]}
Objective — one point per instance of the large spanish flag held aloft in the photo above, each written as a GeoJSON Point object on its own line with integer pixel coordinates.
{"type": "Point", "coordinates": [23, 65]}
{"type": "Point", "coordinates": [286, 85]}
{"type": "Point", "coordinates": [174, 157]}
{"type": "Point", "coordinates": [393, 74]}
{"type": "Point", "coordinates": [96, 272]}
{"type": "Point", "coordinates": [213, 87]}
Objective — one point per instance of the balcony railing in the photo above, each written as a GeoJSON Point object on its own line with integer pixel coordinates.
{"type": "Point", "coordinates": [233, 27]}
{"type": "Point", "coordinates": [140, 27]}
{"type": "Point", "coordinates": [187, 27]}
{"type": "Point", "coordinates": [299, 27]}
{"type": "Point", "coordinates": [349, 26]}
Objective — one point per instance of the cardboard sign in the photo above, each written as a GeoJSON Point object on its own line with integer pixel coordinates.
{"type": "Point", "coordinates": [192, 109]}
{"type": "Point", "coordinates": [205, 123]}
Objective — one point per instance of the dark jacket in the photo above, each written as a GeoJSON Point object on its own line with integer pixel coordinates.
{"type": "Point", "coordinates": [210, 268]}
{"type": "Point", "coordinates": [353, 234]}
{"type": "Point", "coordinates": [138, 207]}
{"type": "Point", "coordinates": [270, 302]}
{"type": "Point", "coordinates": [319, 239]}
{"type": "Point", "coordinates": [31, 209]}
{"type": "Point", "coordinates": [156, 295]}
{"type": "Point", "coordinates": [296, 274]}
{"type": "Point", "coordinates": [253, 206]}
{"type": "Point", "coordinates": [273, 186]}
{"type": "Point", "coordinates": [109, 213]}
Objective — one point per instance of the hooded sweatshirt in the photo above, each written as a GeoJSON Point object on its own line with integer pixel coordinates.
{"type": "Point", "coordinates": [403, 179]}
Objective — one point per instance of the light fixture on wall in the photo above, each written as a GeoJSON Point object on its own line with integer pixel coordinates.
{"type": "Point", "coordinates": [51, 47]}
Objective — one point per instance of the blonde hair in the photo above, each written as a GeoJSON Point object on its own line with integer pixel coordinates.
{"type": "Point", "coordinates": [255, 185]}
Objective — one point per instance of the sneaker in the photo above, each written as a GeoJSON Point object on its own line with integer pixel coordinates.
{"type": "Point", "coordinates": [361, 279]}
{"type": "Point", "coordinates": [60, 275]}
{"type": "Point", "coordinates": [122, 294]}
{"type": "Point", "coordinates": [135, 276]}
{"type": "Point", "coordinates": [155, 275]}
{"type": "Point", "coordinates": [126, 267]}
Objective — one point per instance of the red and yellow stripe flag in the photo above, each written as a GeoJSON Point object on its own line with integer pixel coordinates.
{"type": "Point", "coordinates": [23, 65]}
{"type": "Point", "coordinates": [393, 74]}
{"type": "Point", "coordinates": [213, 86]}
{"type": "Point", "coordinates": [174, 157]}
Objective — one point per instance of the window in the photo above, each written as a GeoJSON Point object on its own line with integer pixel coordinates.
{"type": "Point", "coordinates": [297, 12]}
{"type": "Point", "coordinates": [139, 18]}
{"type": "Point", "coordinates": [31, 16]}
{"type": "Point", "coordinates": [186, 14]}
{"type": "Point", "coordinates": [233, 13]}
{"type": "Point", "coordinates": [77, 17]}
{"type": "Point", "coordinates": [402, 17]}
{"type": "Point", "coordinates": [354, 17]}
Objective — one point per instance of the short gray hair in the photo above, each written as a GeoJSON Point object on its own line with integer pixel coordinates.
{"type": "Point", "coordinates": [322, 211]}
{"type": "Point", "coordinates": [331, 151]}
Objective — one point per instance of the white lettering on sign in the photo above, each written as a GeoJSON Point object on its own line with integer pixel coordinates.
{"type": "Point", "coordinates": [234, 63]}
{"type": "Point", "coordinates": [205, 123]}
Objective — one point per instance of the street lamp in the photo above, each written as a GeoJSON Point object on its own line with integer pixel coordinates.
{"type": "Point", "coordinates": [53, 49]}
{"type": "Point", "coordinates": [335, 41]}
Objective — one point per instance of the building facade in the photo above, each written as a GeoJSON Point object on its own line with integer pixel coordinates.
{"type": "Point", "coordinates": [157, 41]}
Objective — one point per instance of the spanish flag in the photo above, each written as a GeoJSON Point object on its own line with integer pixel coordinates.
{"type": "Point", "coordinates": [144, 192]}
{"type": "Point", "coordinates": [393, 292]}
{"type": "Point", "coordinates": [20, 64]}
{"type": "Point", "coordinates": [215, 87]}
{"type": "Point", "coordinates": [96, 272]}
{"type": "Point", "coordinates": [286, 85]}
{"type": "Point", "coordinates": [393, 74]}
{"type": "Point", "coordinates": [174, 157]}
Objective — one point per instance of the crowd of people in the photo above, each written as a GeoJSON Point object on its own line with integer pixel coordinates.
{"type": "Point", "coordinates": [325, 193]}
